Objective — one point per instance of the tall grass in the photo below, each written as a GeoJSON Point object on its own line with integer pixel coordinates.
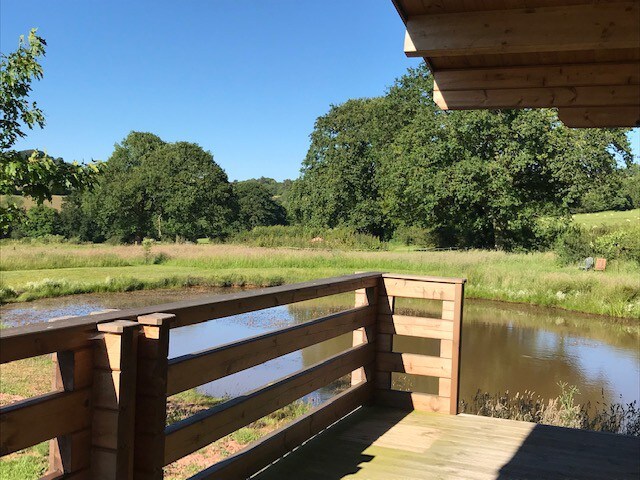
{"type": "Point", "coordinates": [298, 236]}
{"type": "Point", "coordinates": [36, 271]}
{"type": "Point", "coordinates": [562, 411]}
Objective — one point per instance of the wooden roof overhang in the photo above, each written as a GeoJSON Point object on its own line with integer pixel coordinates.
{"type": "Point", "coordinates": [581, 56]}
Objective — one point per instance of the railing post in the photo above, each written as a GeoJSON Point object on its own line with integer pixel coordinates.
{"type": "Point", "coordinates": [364, 297]}
{"type": "Point", "coordinates": [445, 328]}
{"type": "Point", "coordinates": [452, 310]}
{"type": "Point", "coordinates": [73, 370]}
{"type": "Point", "coordinates": [384, 341]}
{"type": "Point", "coordinates": [151, 405]}
{"type": "Point", "coordinates": [114, 397]}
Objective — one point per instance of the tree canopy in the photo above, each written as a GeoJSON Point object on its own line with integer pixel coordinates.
{"type": "Point", "coordinates": [36, 175]}
{"type": "Point", "coordinates": [150, 188]}
{"type": "Point", "coordinates": [475, 178]}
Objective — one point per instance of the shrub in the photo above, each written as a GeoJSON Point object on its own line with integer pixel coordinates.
{"type": "Point", "coordinates": [612, 243]}
{"type": "Point", "coordinates": [298, 236]}
{"type": "Point", "coordinates": [419, 237]}
{"type": "Point", "coordinates": [42, 221]}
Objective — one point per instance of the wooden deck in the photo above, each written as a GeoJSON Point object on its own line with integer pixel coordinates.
{"type": "Point", "coordinates": [383, 443]}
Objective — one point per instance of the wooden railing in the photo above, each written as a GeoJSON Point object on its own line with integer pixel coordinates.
{"type": "Point", "coordinates": [107, 412]}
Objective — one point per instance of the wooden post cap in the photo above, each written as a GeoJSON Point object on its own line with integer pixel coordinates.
{"type": "Point", "coordinates": [156, 318]}
{"type": "Point", "coordinates": [117, 326]}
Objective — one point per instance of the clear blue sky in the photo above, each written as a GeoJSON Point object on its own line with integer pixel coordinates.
{"type": "Point", "coordinates": [246, 80]}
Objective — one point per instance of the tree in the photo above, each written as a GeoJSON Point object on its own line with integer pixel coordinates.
{"type": "Point", "coordinates": [35, 176]}
{"type": "Point", "coordinates": [149, 188]}
{"type": "Point", "coordinates": [477, 178]}
{"type": "Point", "coordinates": [189, 194]}
{"type": "Point", "coordinates": [338, 182]}
{"type": "Point", "coordinates": [257, 206]}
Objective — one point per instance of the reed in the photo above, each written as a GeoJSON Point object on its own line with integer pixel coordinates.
{"type": "Point", "coordinates": [562, 411]}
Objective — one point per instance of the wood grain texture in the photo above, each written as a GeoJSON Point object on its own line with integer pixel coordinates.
{"type": "Point", "coordinates": [592, 96]}
{"type": "Point", "coordinates": [187, 436]}
{"type": "Point", "coordinates": [592, 117]}
{"type": "Point", "coordinates": [31, 421]}
{"type": "Point", "coordinates": [415, 326]}
{"type": "Point", "coordinates": [381, 443]}
{"type": "Point", "coordinates": [396, 287]}
{"type": "Point", "coordinates": [261, 453]}
{"type": "Point", "coordinates": [538, 76]}
{"type": "Point", "coordinates": [414, 364]}
{"type": "Point", "coordinates": [544, 29]}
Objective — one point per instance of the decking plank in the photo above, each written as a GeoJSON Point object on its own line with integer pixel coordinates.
{"type": "Point", "coordinates": [391, 444]}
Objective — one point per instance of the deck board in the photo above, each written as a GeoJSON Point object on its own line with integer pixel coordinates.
{"type": "Point", "coordinates": [378, 443]}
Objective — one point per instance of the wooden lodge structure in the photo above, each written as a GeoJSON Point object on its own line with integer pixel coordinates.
{"type": "Point", "coordinates": [580, 56]}
{"type": "Point", "coordinates": [106, 414]}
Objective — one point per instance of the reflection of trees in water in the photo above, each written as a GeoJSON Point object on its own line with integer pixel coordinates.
{"type": "Point", "coordinates": [312, 309]}
{"type": "Point", "coordinates": [496, 358]}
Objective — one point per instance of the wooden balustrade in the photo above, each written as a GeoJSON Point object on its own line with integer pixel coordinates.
{"type": "Point", "coordinates": [106, 415]}
{"type": "Point", "coordinates": [446, 330]}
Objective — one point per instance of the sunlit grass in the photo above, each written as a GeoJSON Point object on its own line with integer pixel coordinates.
{"type": "Point", "coordinates": [36, 271]}
{"type": "Point", "coordinates": [609, 218]}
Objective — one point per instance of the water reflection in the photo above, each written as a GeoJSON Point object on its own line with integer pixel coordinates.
{"type": "Point", "coordinates": [504, 347]}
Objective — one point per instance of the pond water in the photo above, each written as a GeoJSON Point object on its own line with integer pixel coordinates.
{"type": "Point", "coordinates": [504, 346]}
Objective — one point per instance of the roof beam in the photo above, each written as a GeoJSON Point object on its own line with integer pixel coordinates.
{"type": "Point", "coordinates": [545, 29]}
{"type": "Point", "coordinates": [600, 116]}
{"type": "Point", "coordinates": [578, 75]}
{"type": "Point", "coordinates": [609, 95]}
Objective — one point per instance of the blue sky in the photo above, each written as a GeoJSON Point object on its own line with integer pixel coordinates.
{"type": "Point", "coordinates": [246, 80]}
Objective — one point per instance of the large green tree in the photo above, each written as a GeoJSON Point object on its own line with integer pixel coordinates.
{"type": "Point", "coordinates": [150, 188]}
{"type": "Point", "coordinates": [36, 175]}
{"type": "Point", "coordinates": [478, 178]}
{"type": "Point", "coordinates": [257, 206]}
{"type": "Point", "coordinates": [338, 183]}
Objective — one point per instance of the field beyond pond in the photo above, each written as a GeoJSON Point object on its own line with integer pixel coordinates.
{"type": "Point", "coordinates": [30, 271]}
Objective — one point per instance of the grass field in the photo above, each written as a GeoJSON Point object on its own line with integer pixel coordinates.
{"type": "Point", "coordinates": [609, 218]}
{"type": "Point", "coordinates": [28, 202]}
{"type": "Point", "coordinates": [28, 272]}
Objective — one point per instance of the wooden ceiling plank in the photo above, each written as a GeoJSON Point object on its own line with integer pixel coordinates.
{"type": "Point", "coordinates": [608, 117]}
{"type": "Point", "coordinates": [609, 95]}
{"type": "Point", "coordinates": [545, 29]}
{"type": "Point", "coordinates": [539, 76]}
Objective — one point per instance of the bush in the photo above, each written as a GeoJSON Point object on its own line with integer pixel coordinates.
{"type": "Point", "coordinates": [297, 236]}
{"type": "Point", "coordinates": [39, 221]}
{"type": "Point", "coordinates": [419, 237]}
{"type": "Point", "coordinates": [578, 243]}
{"type": "Point", "coordinates": [548, 230]}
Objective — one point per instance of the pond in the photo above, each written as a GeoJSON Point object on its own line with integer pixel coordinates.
{"type": "Point", "coordinates": [504, 346]}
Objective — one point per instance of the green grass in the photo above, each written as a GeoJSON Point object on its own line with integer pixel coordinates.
{"type": "Point", "coordinates": [30, 463]}
{"type": "Point", "coordinates": [609, 218]}
{"type": "Point", "coordinates": [29, 272]}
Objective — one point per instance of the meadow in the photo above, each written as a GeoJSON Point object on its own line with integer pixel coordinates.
{"type": "Point", "coordinates": [610, 218]}
{"type": "Point", "coordinates": [31, 271]}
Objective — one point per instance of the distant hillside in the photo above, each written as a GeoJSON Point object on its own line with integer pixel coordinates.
{"type": "Point", "coordinates": [609, 218]}
{"type": "Point", "coordinates": [28, 202]}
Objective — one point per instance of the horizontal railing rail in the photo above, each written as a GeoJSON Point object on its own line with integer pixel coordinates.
{"type": "Point", "coordinates": [194, 369]}
{"type": "Point", "coordinates": [107, 411]}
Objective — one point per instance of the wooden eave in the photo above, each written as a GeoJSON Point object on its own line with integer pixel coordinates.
{"type": "Point", "coordinates": [579, 56]}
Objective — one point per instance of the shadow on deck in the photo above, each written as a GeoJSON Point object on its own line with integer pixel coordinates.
{"type": "Point", "coordinates": [383, 443]}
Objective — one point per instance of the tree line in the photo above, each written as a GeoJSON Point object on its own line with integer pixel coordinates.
{"type": "Point", "coordinates": [392, 166]}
